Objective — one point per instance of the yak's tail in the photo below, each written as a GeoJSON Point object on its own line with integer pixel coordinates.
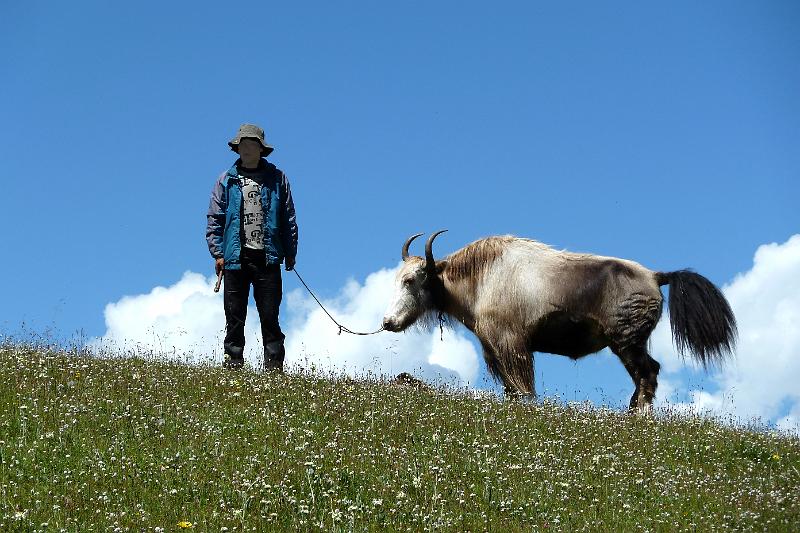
{"type": "Point", "coordinates": [700, 316]}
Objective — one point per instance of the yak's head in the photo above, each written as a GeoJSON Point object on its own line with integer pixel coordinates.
{"type": "Point", "coordinates": [418, 289]}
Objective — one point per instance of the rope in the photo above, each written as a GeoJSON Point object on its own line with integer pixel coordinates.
{"type": "Point", "coordinates": [341, 327]}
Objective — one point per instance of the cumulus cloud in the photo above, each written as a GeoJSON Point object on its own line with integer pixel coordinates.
{"type": "Point", "coordinates": [761, 381]}
{"type": "Point", "coordinates": [185, 321]}
{"type": "Point", "coordinates": [360, 307]}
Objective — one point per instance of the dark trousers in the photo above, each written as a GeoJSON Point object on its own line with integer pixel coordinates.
{"type": "Point", "coordinates": [267, 291]}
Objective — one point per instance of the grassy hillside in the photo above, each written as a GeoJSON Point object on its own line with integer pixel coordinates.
{"type": "Point", "coordinates": [100, 444]}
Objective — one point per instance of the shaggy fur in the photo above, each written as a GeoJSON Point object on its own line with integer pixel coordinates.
{"type": "Point", "coordinates": [520, 296]}
{"type": "Point", "coordinates": [470, 262]}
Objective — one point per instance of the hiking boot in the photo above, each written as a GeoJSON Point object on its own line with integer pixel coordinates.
{"type": "Point", "coordinates": [273, 365]}
{"type": "Point", "coordinates": [232, 363]}
{"type": "Point", "coordinates": [274, 353]}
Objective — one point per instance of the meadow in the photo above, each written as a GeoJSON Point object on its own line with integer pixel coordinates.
{"type": "Point", "coordinates": [134, 444]}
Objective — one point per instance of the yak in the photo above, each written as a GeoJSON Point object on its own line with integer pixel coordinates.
{"type": "Point", "coordinates": [520, 296]}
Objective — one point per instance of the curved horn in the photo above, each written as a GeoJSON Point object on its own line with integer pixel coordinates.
{"type": "Point", "coordinates": [430, 262]}
{"type": "Point", "coordinates": [406, 245]}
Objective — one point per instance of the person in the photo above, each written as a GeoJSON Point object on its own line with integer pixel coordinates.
{"type": "Point", "coordinates": [252, 229]}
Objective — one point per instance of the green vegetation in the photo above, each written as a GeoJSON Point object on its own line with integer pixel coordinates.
{"type": "Point", "coordinates": [119, 444]}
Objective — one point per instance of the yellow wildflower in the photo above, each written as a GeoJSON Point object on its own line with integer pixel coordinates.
{"type": "Point", "coordinates": [185, 524]}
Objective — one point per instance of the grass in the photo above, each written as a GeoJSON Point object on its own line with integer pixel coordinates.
{"type": "Point", "coordinates": [127, 444]}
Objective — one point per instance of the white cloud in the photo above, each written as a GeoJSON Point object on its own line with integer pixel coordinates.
{"type": "Point", "coordinates": [763, 379]}
{"type": "Point", "coordinates": [313, 337]}
{"type": "Point", "coordinates": [185, 322]}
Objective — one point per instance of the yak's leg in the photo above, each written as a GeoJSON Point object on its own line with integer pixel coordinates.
{"type": "Point", "coordinates": [633, 371]}
{"type": "Point", "coordinates": [632, 324]}
{"type": "Point", "coordinates": [509, 359]}
{"type": "Point", "coordinates": [643, 370]}
{"type": "Point", "coordinates": [649, 381]}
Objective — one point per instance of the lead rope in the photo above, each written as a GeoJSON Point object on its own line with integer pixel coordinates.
{"type": "Point", "coordinates": [341, 327]}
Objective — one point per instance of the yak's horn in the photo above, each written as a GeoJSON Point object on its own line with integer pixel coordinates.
{"type": "Point", "coordinates": [407, 244]}
{"type": "Point", "coordinates": [430, 262]}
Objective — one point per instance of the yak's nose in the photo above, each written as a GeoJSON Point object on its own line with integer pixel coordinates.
{"type": "Point", "coordinates": [388, 324]}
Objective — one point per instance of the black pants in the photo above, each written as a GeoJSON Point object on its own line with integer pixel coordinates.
{"type": "Point", "coordinates": [267, 291]}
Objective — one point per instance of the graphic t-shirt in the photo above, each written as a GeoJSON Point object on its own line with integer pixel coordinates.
{"type": "Point", "coordinates": [252, 211]}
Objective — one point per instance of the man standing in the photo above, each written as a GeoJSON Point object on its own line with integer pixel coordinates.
{"type": "Point", "coordinates": [251, 230]}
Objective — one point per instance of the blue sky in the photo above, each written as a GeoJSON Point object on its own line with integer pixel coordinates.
{"type": "Point", "coordinates": [667, 134]}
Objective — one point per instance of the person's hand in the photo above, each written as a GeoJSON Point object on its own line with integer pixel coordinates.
{"type": "Point", "coordinates": [290, 263]}
{"type": "Point", "coordinates": [219, 265]}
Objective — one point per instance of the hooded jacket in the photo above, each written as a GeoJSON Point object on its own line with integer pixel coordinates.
{"type": "Point", "coordinates": [224, 228]}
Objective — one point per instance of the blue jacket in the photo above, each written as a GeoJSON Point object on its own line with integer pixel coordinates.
{"type": "Point", "coordinates": [224, 228]}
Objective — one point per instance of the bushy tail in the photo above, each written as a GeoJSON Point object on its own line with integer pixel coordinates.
{"type": "Point", "coordinates": [700, 316]}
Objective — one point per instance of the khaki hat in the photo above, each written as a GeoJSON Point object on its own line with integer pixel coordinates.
{"type": "Point", "coordinates": [250, 131]}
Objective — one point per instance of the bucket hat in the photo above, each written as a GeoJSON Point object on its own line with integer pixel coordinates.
{"type": "Point", "coordinates": [250, 131]}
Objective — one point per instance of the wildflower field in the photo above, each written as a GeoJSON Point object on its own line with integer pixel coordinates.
{"type": "Point", "coordinates": [127, 444]}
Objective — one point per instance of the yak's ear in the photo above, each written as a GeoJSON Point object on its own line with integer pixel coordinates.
{"type": "Point", "coordinates": [440, 266]}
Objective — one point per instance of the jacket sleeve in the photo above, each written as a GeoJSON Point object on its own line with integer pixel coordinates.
{"type": "Point", "coordinates": [288, 225]}
{"type": "Point", "coordinates": [215, 226]}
